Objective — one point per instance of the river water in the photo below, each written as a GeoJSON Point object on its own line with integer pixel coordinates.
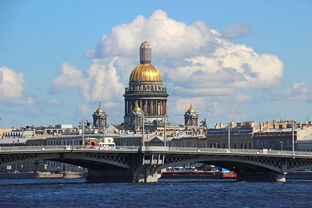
{"type": "Point", "coordinates": [166, 193]}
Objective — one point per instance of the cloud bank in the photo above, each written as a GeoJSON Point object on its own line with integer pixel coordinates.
{"type": "Point", "coordinates": [197, 62]}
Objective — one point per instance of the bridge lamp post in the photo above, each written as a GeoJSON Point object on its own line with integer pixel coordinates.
{"type": "Point", "coordinates": [83, 139]}
{"type": "Point", "coordinates": [104, 128]}
{"type": "Point", "coordinates": [281, 146]}
{"type": "Point", "coordinates": [165, 136]}
{"type": "Point", "coordinates": [293, 138]}
{"type": "Point", "coordinates": [229, 137]}
{"type": "Point", "coordinates": [143, 129]}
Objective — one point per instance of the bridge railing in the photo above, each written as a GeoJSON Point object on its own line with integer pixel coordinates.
{"type": "Point", "coordinates": [66, 148]}
{"type": "Point", "coordinates": [63, 148]}
{"type": "Point", "coordinates": [241, 151]}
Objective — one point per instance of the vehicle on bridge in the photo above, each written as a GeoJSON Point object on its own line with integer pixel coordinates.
{"type": "Point", "coordinates": [101, 145]}
{"type": "Point", "coordinates": [106, 145]}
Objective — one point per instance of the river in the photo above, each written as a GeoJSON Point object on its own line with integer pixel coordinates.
{"type": "Point", "coordinates": [166, 193]}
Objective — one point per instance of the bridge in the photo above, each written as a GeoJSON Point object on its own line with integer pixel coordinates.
{"type": "Point", "coordinates": [144, 164]}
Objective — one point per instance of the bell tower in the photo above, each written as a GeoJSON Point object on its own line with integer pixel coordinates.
{"type": "Point", "coordinates": [191, 118]}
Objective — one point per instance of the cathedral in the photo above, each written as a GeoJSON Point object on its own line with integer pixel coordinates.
{"type": "Point", "coordinates": [146, 97]}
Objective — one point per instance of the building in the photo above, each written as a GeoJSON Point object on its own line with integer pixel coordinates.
{"type": "Point", "coordinates": [278, 125]}
{"type": "Point", "coordinates": [191, 118]}
{"type": "Point", "coordinates": [145, 90]}
{"type": "Point", "coordinates": [2, 131]}
{"type": "Point", "coordinates": [99, 118]}
{"type": "Point", "coordinates": [240, 137]}
{"type": "Point", "coordinates": [282, 139]}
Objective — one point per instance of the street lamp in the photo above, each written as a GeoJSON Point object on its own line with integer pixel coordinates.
{"type": "Point", "coordinates": [293, 138]}
{"type": "Point", "coordinates": [143, 129]}
{"type": "Point", "coordinates": [165, 136]}
{"type": "Point", "coordinates": [104, 128]}
{"type": "Point", "coordinates": [83, 142]}
{"type": "Point", "coordinates": [229, 137]}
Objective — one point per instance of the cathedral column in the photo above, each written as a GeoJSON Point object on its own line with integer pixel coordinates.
{"type": "Point", "coordinates": [145, 106]}
{"type": "Point", "coordinates": [158, 106]}
{"type": "Point", "coordinates": [131, 105]}
{"type": "Point", "coordinates": [162, 107]}
{"type": "Point", "coordinates": [126, 107]}
{"type": "Point", "coordinates": [148, 107]}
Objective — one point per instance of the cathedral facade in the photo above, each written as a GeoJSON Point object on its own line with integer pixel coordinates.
{"type": "Point", "coordinates": [145, 93]}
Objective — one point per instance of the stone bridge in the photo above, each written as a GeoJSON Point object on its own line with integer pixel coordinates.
{"type": "Point", "coordinates": [144, 164]}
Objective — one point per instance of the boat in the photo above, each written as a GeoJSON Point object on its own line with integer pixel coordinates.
{"type": "Point", "coordinates": [199, 174]}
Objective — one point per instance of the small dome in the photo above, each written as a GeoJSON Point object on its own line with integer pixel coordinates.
{"type": "Point", "coordinates": [145, 72]}
{"type": "Point", "coordinates": [100, 109]}
{"type": "Point", "coordinates": [137, 109]}
{"type": "Point", "coordinates": [191, 109]}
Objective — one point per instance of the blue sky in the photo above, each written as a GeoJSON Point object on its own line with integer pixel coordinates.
{"type": "Point", "coordinates": [233, 60]}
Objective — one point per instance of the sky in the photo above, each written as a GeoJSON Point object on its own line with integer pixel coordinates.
{"type": "Point", "coordinates": [232, 60]}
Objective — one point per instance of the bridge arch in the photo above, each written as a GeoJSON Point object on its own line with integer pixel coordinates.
{"type": "Point", "coordinates": [237, 162]}
{"type": "Point", "coordinates": [87, 160]}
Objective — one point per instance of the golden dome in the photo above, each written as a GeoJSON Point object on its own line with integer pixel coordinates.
{"type": "Point", "coordinates": [191, 109]}
{"type": "Point", "coordinates": [145, 72]}
{"type": "Point", "coordinates": [100, 109]}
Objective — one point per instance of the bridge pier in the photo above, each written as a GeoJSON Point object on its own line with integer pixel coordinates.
{"type": "Point", "coordinates": [142, 169]}
{"type": "Point", "coordinates": [143, 174]}
{"type": "Point", "coordinates": [109, 176]}
{"type": "Point", "coordinates": [146, 174]}
{"type": "Point", "coordinates": [261, 177]}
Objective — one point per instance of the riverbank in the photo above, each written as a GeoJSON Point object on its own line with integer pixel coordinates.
{"type": "Point", "coordinates": [41, 175]}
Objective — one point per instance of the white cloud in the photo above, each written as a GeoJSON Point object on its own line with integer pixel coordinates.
{"type": "Point", "coordinates": [11, 83]}
{"type": "Point", "coordinates": [85, 109]}
{"type": "Point", "coordinates": [69, 77]}
{"type": "Point", "coordinates": [195, 60]}
{"type": "Point", "coordinates": [172, 38]}
{"type": "Point", "coordinates": [299, 91]}
{"type": "Point", "coordinates": [193, 53]}
{"type": "Point", "coordinates": [236, 31]}
{"type": "Point", "coordinates": [12, 87]}
{"type": "Point", "coordinates": [101, 82]}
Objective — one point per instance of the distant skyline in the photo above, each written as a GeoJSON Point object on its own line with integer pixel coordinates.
{"type": "Point", "coordinates": [233, 60]}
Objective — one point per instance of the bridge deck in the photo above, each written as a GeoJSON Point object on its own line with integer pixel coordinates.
{"type": "Point", "coordinates": [156, 149]}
